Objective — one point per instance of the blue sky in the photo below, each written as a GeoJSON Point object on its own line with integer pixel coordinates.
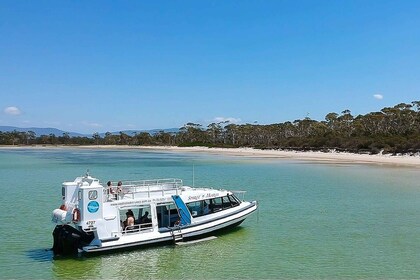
{"type": "Point", "coordinates": [97, 66]}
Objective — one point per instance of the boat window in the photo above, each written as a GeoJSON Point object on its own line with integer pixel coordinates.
{"type": "Point", "coordinates": [63, 192]}
{"type": "Point", "coordinates": [216, 204]}
{"type": "Point", "coordinates": [79, 195]}
{"type": "Point", "coordinates": [195, 208]}
{"type": "Point", "coordinates": [226, 202]}
{"type": "Point", "coordinates": [142, 218]}
{"type": "Point", "coordinates": [93, 195]}
{"type": "Point", "coordinates": [207, 206]}
{"type": "Point", "coordinates": [233, 200]}
{"type": "Point", "coordinates": [167, 215]}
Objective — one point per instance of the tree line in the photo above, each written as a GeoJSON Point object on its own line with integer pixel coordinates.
{"type": "Point", "coordinates": [391, 130]}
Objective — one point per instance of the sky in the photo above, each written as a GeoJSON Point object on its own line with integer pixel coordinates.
{"type": "Point", "coordinates": [98, 66]}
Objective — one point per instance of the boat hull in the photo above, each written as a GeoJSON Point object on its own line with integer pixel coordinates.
{"type": "Point", "coordinates": [177, 234]}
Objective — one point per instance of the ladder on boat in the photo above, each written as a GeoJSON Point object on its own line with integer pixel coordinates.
{"type": "Point", "coordinates": [177, 235]}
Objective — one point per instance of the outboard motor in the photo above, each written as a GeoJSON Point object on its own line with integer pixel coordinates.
{"type": "Point", "coordinates": [67, 240]}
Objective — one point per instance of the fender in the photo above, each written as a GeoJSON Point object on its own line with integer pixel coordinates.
{"type": "Point", "coordinates": [76, 215]}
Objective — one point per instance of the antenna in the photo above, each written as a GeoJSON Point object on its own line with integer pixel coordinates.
{"type": "Point", "coordinates": [193, 175]}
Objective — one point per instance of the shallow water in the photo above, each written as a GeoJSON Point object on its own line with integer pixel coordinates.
{"type": "Point", "coordinates": [314, 221]}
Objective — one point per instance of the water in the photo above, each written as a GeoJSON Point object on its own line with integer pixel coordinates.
{"type": "Point", "coordinates": [314, 221]}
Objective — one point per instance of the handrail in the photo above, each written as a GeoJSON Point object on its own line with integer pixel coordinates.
{"type": "Point", "coordinates": [146, 186]}
{"type": "Point", "coordinates": [137, 228]}
{"type": "Point", "coordinates": [143, 186]}
{"type": "Point", "coordinates": [240, 194]}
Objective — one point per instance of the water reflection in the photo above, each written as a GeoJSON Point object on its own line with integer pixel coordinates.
{"type": "Point", "coordinates": [170, 261]}
{"type": "Point", "coordinates": [40, 255]}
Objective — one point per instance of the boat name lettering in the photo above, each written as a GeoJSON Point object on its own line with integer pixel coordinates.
{"type": "Point", "coordinates": [203, 196]}
{"type": "Point", "coordinates": [212, 195]}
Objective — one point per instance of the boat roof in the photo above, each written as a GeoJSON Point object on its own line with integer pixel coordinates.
{"type": "Point", "coordinates": [156, 190]}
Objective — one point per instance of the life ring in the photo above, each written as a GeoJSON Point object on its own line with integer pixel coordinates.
{"type": "Point", "coordinates": [76, 215]}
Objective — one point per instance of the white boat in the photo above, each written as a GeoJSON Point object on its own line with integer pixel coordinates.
{"type": "Point", "coordinates": [92, 217]}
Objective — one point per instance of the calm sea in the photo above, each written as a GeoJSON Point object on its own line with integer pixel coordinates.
{"type": "Point", "coordinates": [314, 221]}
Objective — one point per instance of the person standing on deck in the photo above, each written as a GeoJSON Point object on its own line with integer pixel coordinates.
{"type": "Point", "coordinates": [119, 187]}
{"type": "Point", "coordinates": [110, 190]}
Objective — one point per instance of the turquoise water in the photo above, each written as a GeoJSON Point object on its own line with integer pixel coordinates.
{"type": "Point", "coordinates": [314, 221]}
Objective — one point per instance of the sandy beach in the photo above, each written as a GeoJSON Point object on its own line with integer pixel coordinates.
{"type": "Point", "coordinates": [331, 157]}
{"type": "Point", "coordinates": [326, 157]}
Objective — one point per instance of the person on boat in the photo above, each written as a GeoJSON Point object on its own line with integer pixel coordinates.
{"type": "Point", "coordinates": [129, 222]}
{"type": "Point", "coordinates": [110, 189]}
{"type": "Point", "coordinates": [145, 218]}
{"type": "Point", "coordinates": [119, 187]}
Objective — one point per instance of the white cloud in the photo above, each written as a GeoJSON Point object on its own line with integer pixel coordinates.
{"type": "Point", "coordinates": [91, 124]}
{"type": "Point", "coordinates": [12, 110]}
{"type": "Point", "coordinates": [378, 96]}
{"type": "Point", "coordinates": [224, 119]}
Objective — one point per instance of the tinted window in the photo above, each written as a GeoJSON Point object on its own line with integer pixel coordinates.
{"type": "Point", "coordinates": [216, 204]}
{"type": "Point", "coordinates": [233, 200]}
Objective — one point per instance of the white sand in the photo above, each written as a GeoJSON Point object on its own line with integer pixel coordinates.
{"type": "Point", "coordinates": [330, 157]}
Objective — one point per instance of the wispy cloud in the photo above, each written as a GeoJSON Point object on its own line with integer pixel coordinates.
{"type": "Point", "coordinates": [13, 111]}
{"type": "Point", "coordinates": [91, 124]}
{"type": "Point", "coordinates": [378, 96]}
{"type": "Point", "coordinates": [226, 119]}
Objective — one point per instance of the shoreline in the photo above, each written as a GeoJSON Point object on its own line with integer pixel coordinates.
{"type": "Point", "coordinates": [312, 156]}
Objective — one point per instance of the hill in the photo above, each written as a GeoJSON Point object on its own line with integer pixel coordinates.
{"type": "Point", "coordinates": [40, 131]}
{"type": "Point", "coordinates": [57, 132]}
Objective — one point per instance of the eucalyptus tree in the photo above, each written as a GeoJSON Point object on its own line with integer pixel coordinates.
{"type": "Point", "coordinates": [53, 139]}
{"type": "Point", "coordinates": [65, 139]}
{"type": "Point", "coordinates": [143, 138]}
{"type": "Point", "coordinates": [230, 135]}
{"type": "Point", "coordinates": [10, 137]}
{"type": "Point", "coordinates": [44, 139]}
{"type": "Point", "coordinates": [346, 123]}
{"type": "Point", "coordinates": [332, 121]}
{"type": "Point", "coordinates": [372, 123]}
{"type": "Point", "coordinates": [110, 139]}
{"type": "Point", "coordinates": [124, 138]}
{"type": "Point", "coordinates": [399, 119]}
{"type": "Point", "coordinates": [193, 133]}
{"type": "Point", "coordinates": [215, 132]}
{"type": "Point", "coordinates": [31, 136]}
{"type": "Point", "coordinates": [164, 138]}
{"type": "Point", "coordinates": [96, 138]}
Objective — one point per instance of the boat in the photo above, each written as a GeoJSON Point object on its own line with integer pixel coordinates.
{"type": "Point", "coordinates": [95, 217]}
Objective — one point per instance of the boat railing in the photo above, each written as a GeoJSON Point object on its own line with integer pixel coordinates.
{"type": "Point", "coordinates": [147, 188]}
{"type": "Point", "coordinates": [138, 228]}
{"type": "Point", "coordinates": [240, 194]}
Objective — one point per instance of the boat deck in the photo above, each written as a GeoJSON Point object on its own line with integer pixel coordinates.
{"type": "Point", "coordinates": [144, 189]}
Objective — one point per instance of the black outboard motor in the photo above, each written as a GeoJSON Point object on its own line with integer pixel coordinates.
{"type": "Point", "coordinates": [67, 240]}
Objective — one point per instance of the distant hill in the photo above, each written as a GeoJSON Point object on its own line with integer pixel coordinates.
{"type": "Point", "coordinates": [57, 132]}
{"type": "Point", "coordinates": [150, 131]}
{"type": "Point", "coordinates": [41, 131]}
